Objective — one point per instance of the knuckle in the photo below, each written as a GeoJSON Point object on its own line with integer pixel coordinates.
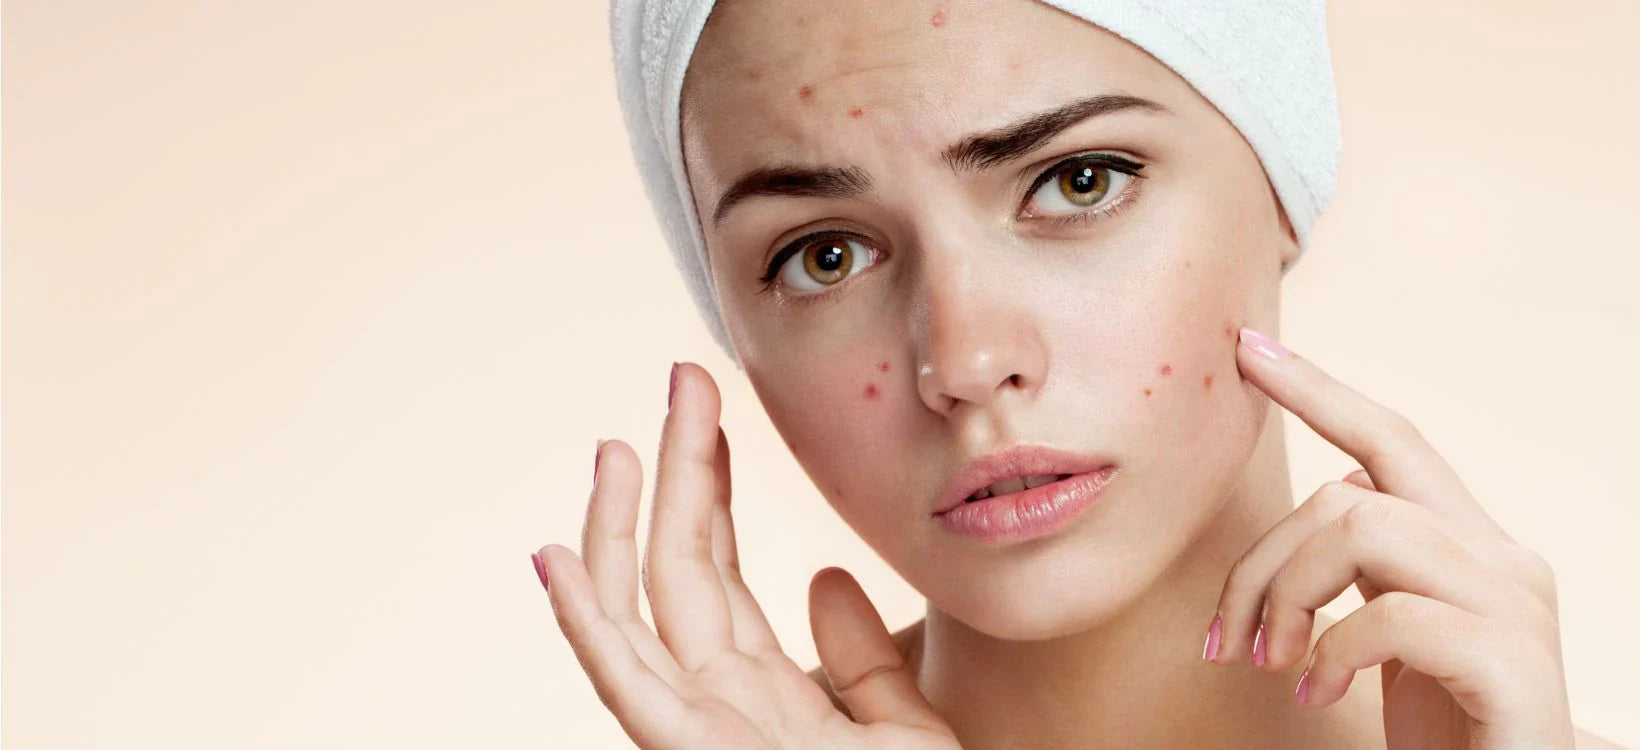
{"type": "Point", "coordinates": [1333, 498]}
{"type": "Point", "coordinates": [1396, 608]}
{"type": "Point", "coordinates": [1368, 518]}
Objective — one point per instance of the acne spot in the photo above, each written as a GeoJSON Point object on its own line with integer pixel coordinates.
{"type": "Point", "coordinates": [1147, 393]}
{"type": "Point", "coordinates": [804, 92]}
{"type": "Point", "coordinates": [871, 390]}
{"type": "Point", "coordinates": [883, 365]}
{"type": "Point", "coordinates": [1229, 331]}
{"type": "Point", "coordinates": [1207, 381]}
{"type": "Point", "coordinates": [1167, 369]}
{"type": "Point", "coordinates": [938, 20]}
{"type": "Point", "coordinates": [1188, 264]}
{"type": "Point", "coordinates": [754, 73]}
{"type": "Point", "coordinates": [856, 113]}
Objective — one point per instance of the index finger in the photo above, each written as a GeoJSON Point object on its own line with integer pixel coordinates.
{"type": "Point", "coordinates": [1395, 454]}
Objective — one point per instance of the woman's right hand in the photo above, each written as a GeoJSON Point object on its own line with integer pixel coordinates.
{"type": "Point", "coordinates": [715, 676]}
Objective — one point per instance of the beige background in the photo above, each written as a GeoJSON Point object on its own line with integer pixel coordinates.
{"type": "Point", "coordinates": [313, 312]}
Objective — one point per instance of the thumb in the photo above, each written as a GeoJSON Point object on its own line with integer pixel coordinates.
{"type": "Point", "coordinates": [866, 670]}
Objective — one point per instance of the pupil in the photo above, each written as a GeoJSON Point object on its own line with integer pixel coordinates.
{"type": "Point", "coordinates": [831, 258]}
{"type": "Point", "coordinates": [1084, 181]}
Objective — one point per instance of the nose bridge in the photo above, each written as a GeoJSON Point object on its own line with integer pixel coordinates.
{"type": "Point", "coordinates": [977, 338]}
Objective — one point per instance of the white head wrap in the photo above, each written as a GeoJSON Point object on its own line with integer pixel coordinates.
{"type": "Point", "coordinates": [1263, 63]}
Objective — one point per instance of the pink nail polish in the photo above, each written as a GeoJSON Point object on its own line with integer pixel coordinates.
{"type": "Point", "coordinates": [1303, 691]}
{"type": "Point", "coordinates": [1258, 647]}
{"type": "Point", "coordinates": [1263, 344]}
{"type": "Point", "coordinates": [673, 386]}
{"type": "Point", "coordinates": [1210, 649]}
{"type": "Point", "coordinates": [540, 569]}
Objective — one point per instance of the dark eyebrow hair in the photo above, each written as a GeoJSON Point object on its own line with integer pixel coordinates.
{"type": "Point", "coordinates": [982, 150]}
{"type": "Point", "coordinates": [976, 151]}
{"type": "Point", "coordinates": [791, 179]}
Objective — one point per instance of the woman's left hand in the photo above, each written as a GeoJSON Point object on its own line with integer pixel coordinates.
{"type": "Point", "coordinates": [1463, 619]}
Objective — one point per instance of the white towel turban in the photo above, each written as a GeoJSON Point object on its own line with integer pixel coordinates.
{"type": "Point", "coordinates": [1263, 63]}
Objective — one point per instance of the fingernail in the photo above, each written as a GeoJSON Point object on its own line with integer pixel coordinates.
{"type": "Point", "coordinates": [673, 386]}
{"type": "Point", "coordinates": [597, 455]}
{"type": "Point", "coordinates": [1263, 344]}
{"type": "Point", "coordinates": [1303, 690]}
{"type": "Point", "coordinates": [540, 569]}
{"type": "Point", "coordinates": [1210, 649]}
{"type": "Point", "coordinates": [1258, 646]}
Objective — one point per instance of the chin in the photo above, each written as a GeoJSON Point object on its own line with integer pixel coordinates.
{"type": "Point", "coordinates": [1068, 587]}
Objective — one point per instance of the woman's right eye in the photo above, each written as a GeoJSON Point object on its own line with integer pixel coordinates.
{"type": "Point", "coordinates": [814, 263]}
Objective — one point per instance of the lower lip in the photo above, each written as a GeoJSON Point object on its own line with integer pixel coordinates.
{"type": "Point", "coordinates": [1028, 513]}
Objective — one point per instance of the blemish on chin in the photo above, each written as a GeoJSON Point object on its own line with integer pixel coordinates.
{"type": "Point", "coordinates": [938, 20]}
{"type": "Point", "coordinates": [1207, 381]}
{"type": "Point", "coordinates": [856, 113]}
{"type": "Point", "coordinates": [883, 365]}
{"type": "Point", "coordinates": [1230, 331]}
{"type": "Point", "coordinates": [871, 390]}
{"type": "Point", "coordinates": [805, 92]}
{"type": "Point", "coordinates": [1166, 369]}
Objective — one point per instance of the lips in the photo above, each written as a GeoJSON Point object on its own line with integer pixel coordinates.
{"type": "Point", "coordinates": [1014, 463]}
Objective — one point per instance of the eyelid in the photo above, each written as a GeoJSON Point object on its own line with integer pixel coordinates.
{"type": "Point", "coordinates": [1103, 159]}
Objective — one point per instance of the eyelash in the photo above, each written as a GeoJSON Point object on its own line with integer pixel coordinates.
{"type": "Point", "coordinates": [1107, 161]}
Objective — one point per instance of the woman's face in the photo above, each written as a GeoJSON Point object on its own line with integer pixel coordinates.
{"type": "Point", "coordinates": [963, 260]}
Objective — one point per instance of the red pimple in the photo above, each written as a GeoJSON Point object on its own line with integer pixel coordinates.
{"type": "Point", "coordinates": [939, 18]}
{"type": "Point", "coordinates": [804, 92]}
{"type": "Point", "coordinates": [883, 365]}
{"type": "Point", "coordinates": [871, 390]}
{"type": "Point", "coordinates": [1167, 369]}
{"type": "Point", "coordinates": [856, 113]}
{"type": "Point", "coordinates": [1207, 382]}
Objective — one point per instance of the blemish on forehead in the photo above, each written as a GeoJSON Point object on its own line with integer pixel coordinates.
{"type": "Point", "coordinates": [871, 390]}
{"type": "Point", "coordinates": [938, 20]}
{"type": "Point", "coordinates": [1207, 381]}
{"type": "Point", "coordinates": [856, 112]}
{"type": "Point", "coordinates": [1166, 369]}
{"type": "Point", "coordinates": [883, 365]}
{"type": "Point", "coordinates": [805, 91]}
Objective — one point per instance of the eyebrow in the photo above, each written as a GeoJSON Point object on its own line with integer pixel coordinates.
{"type": "Point", "coordinates": [973, 152]}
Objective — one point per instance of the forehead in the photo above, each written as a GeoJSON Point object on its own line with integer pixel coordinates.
{"type": "Point", "coordinates": [854, 81]}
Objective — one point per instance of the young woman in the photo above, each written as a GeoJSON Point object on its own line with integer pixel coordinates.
{"type": "Point", "coordinates": [1008, 286]}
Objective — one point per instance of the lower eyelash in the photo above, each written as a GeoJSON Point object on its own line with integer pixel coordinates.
{"type": "Point", "coordinates": [1128, 196]}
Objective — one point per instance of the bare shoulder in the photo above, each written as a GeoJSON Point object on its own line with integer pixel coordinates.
{"type": "Point", "coordinates": [1587, 741]}
{"type": "Point", "coordinates": [909, 641]}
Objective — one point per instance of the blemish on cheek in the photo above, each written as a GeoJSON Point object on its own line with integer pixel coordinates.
{"type": "Point", "coordinates": [938, 20]}
{"type": "Point", "coordinates": [856, 113]}
{"type": "Point", "coordinates": [871, 390]}
{"type": "Point", "coordinates": [754, 73]}
{"type": "Point", "coordinates": [805, 91]}
{"type": "Point", "coordinates": [1207, 381]}
{"type": "Point", "coordinates": [1147, 393]}
{"type": "Point", "coordinates": [1229, 331]}
{"type": "Point", "coordinates": [883, 365]}
{"type": "Point", "coordinates": [1167, 369]}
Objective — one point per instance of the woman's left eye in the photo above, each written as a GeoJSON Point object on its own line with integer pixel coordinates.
{"type": "Point", "coordinates": [1077, 185]}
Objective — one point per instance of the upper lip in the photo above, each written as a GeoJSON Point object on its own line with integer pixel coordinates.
{"type": "Point", "coordinates": [1015, 461]}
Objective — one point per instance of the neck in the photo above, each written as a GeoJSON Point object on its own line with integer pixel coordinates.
{"type": "Point", "coordinates": [1137, 679]}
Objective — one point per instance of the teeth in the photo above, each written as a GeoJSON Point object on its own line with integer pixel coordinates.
{"type": "Point", "coordinates": [1040, 479]}
{"type": "Point", "coordinates": [1015, 484]}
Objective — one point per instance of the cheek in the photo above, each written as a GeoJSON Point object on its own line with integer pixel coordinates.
{"type": "Point", "coordinates": [836, 413]}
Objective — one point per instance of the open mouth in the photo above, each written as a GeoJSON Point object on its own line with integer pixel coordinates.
{"type": "Point", "coordinates": [1014, 484]}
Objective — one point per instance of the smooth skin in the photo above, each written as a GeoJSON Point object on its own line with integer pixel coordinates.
{"type": "Point", "coordinates": [1463, 620]}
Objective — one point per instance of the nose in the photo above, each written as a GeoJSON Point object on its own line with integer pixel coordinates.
{"type": "Point", "coordinates": [979, 342]}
